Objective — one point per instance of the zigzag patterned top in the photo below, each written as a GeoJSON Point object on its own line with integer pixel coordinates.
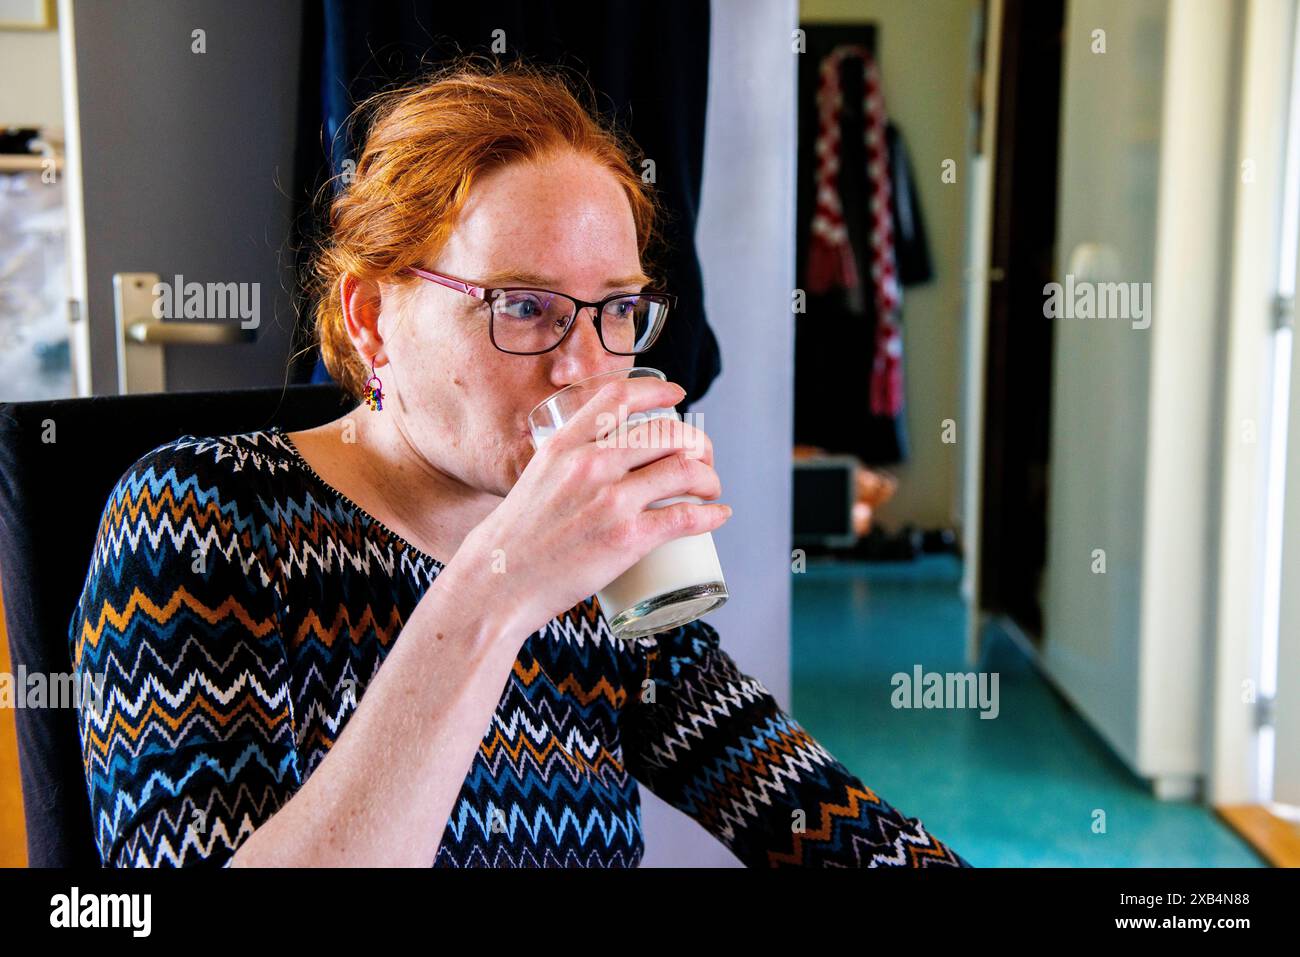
{"type": "Point", "coordinates": [227, 680]}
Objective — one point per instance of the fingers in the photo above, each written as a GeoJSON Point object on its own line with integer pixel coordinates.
{"type": "Point", "coordinates": [615, 448]}
{"type": "Point", "coordinates": [683, 518]}
{"type": "Point", "coordinates": [667, 477]}
{"type": "Point", "coordinates": [654, 439]}
{"type": "Point", "coordinates": [609, 408]}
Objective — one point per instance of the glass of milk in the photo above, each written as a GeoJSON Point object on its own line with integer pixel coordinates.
{"type": "Point", "coordinates": [679, 581]}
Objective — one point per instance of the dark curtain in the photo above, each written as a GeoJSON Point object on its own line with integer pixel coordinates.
{"type": "Point", "coordinates": [647, 62]}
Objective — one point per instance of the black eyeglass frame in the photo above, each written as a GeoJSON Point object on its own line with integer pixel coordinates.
{"type": "Point", "coordinates": [486, 295]}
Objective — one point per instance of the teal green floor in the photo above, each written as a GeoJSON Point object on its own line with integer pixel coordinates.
{"type": "Point", "coordinates": [1017, 790]}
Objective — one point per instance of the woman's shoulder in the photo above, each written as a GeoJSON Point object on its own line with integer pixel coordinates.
{"type": "Point", "coordinates": [208, 465]}
{"type": "Point", "coordinates": [182, 534]}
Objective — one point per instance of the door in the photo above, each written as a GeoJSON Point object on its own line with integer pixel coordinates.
{"type": "Point", "coordinates": [181, 126]}
{"type": "Point", "coordinates": [1008, 347]}
{"type": "Point", "coordinates": [1017, 376]}
{"type": "Point", "coordinates": [1280, 656]}
{"type": "Point", "coordinates": [1282, 684]}
{"type": "Point", "coordinates": [1256, 726]}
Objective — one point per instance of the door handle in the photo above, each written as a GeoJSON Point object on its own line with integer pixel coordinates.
{"type": "Point", "coordinates": [154, 332]}
{"type": "Point", "coordinates": [141, 358]}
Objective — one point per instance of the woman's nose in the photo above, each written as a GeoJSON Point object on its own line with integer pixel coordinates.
{"type": "Point", "coordinates": [583, 342]}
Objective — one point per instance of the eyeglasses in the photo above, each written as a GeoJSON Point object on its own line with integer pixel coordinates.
{"type": "Point", "coordinates": [529, 322]}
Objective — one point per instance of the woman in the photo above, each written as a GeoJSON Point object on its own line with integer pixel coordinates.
{"type": "Point", "coordinates": [245, 590]}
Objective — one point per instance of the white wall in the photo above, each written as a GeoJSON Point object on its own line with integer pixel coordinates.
{"type": "Point", "coordinates": [29, 78]}
{"type": "Point", "coordinates": [1191, 271]}
{"type": "Point", "coordinates": [746, 242]}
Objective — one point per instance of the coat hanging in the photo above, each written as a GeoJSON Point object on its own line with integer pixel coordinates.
{"type": "Point", "coordinates": [854, 260]}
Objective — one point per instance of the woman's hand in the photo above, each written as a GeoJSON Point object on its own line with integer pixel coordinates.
{"type": "Point", "coordinates": [576, 518]}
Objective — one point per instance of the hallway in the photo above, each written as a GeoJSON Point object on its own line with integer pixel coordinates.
{"type": "Point", "coordinates": [1018, 790]}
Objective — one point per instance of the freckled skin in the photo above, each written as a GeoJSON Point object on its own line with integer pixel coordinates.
{"type": "Point", "coordinates": [452, 438]}
{"type": "Point", "coordinates": [566, 217]}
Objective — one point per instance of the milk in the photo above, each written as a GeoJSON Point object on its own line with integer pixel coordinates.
{"type": "Point", "coordinates": [541, 433]}
{"type": "Point", "coordinates": [688, 565]}
{"type": "Point", "coordinates": [674, 584]}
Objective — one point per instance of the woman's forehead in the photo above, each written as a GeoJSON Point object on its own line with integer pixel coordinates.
{"type": "Point", "coordinates": [544, 257]}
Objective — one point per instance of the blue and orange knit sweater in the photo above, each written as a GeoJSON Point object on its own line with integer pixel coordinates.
{"type": "Point", "coordinates": [237, 606]}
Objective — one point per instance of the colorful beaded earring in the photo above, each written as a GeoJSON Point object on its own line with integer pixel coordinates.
{"type": "Point", "coordinates": [374, 390]}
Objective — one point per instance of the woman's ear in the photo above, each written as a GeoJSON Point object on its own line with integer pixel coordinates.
{"type": "Point", "coordinates": [360, 303]}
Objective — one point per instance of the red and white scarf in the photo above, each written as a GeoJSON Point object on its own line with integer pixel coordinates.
{"type": "Point", "coordinates": [830, 255]}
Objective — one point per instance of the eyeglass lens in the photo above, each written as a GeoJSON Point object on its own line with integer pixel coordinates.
{"type": "Point", "coordinates": [529, 320]}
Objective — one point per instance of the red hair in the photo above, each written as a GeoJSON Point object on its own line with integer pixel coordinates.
{"type": "Point", "coordinates": [426, 144]}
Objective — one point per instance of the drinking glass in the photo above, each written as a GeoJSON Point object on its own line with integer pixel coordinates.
{"type": "Point", "coordinates": [672, 585]}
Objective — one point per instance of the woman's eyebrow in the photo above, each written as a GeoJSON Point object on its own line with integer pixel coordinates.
{"type": "Point", "coordinates": [637, 280]}
{"type": "Point", "coordinates": [510, 276]}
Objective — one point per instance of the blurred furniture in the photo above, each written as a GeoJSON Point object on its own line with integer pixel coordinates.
{"type": "Point", "coordinates": [835, 497]}
{"type": "Point", "coordinates": [59, 460]}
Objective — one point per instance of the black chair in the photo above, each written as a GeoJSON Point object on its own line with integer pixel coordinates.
{"type": "Point", "coordinates": [52, 494]}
